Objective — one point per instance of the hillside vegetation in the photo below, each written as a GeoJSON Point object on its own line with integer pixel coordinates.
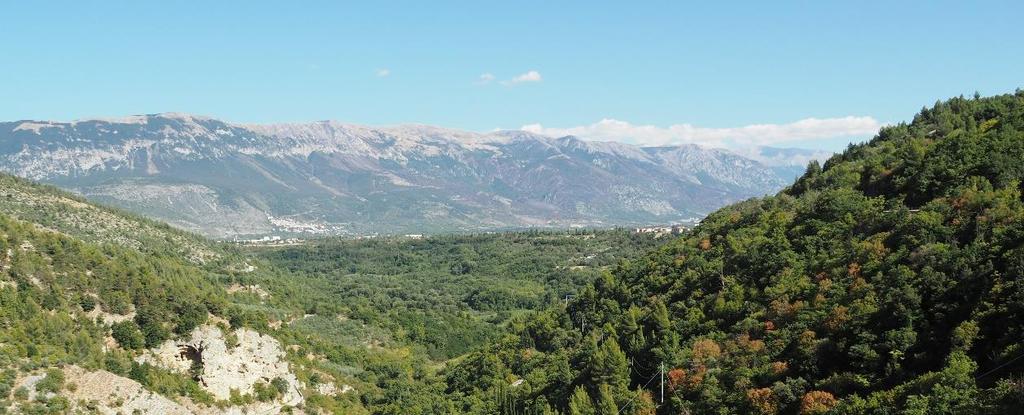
{"type": "Point", "coordinates": [50, 208]}
{"type": "Point", "coordinates": [88, 292]}
{"type": "Point", "coordinates": [886, 281]}
{"type": "Point", "coordinates": [54, 290]}
{"type": "Point", "coordinates": [386, 315]}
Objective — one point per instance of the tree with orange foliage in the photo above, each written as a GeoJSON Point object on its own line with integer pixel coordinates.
{"type": "Point", "coordinates": [676, 377]}
{"type": "Point", "coordinates": [706, 349]}
{"type": "Point", "coordinates": [705, 244]}
{"type": "Point", "coordinates": [817, 402]}
{"type": "Point", "coordinates": [762, 401]}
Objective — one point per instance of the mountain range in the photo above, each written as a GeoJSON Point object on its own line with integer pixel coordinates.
{"type": "Point", "coordinates": [228, 180]}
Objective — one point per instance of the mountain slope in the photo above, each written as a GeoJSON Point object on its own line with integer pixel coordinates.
{"type": "Point", "coordinates": [60, 295]}
{"type": "Point", "coordinates": [105, 311]}
{"type": "Point", "coordinates": [55, 210]}
{"type": "Point", "coordinates": [221, 179]}
{"type": "Point", "coordinates": [887, 281]}
{"type": "Point", "coordinates": [102, 310]}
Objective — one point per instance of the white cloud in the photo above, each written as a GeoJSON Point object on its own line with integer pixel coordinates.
{"type": "Point", "coordinates": [485, 78]}
{"type": "Point", "coordinates": [383, 72]}
{"type": "Point", "coordinates": [531, 76]}
{"type": "Point", "coordinates": [756, 134]}
{"type": "Point", "coordinates": [786, 157]}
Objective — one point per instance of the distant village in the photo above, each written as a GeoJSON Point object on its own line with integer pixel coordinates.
{"type": "Point", "coordinates": [270, 240]}
{"type": "Point", "coordinates": [275, 240]}
{"type": "Point", "coordinates": [661, 230]}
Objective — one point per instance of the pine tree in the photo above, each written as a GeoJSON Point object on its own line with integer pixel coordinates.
{"type": "Point", "coordinates": [609, 365]}
{"type": "Point", "coordinates": [606, 401]}
{"type": "Point", "coordinates": [632, 332]}
{"type": "Point", "coordinates": [580, 403]}
{"type": "Point", "coordinates": [666, 340]}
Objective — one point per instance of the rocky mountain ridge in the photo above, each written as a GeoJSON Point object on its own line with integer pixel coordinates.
{"type": "Point", "coordinates": [224, 180]}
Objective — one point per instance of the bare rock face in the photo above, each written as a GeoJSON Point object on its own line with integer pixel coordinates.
{"type": "Point", "coordinates": [108, 318]}
{"type": "Point", "coordinates": [113, 394]}
{"type": "Point", "coordinates": [329, 388]}
{"type": "Point", "coordinates": [104, 393]}
{"type": "Point", "coordinates": [206, 356]}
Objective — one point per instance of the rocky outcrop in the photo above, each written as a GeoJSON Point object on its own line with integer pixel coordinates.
{"type": "Point", "coordinates": [112, 394]}
{"type": "Point", "coordinates": [97, 313]}
{"type": "Point", "coordinates": [206, 355]}
{"type": "Point", "coordinates": [328, 388]}
{"type": "Point", "coordinates": [252, 288]}
{"type": "Point", "coordinates": [101, 392]}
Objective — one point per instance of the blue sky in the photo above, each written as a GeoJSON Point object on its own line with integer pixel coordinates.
{"type": "Point", "coordinates": [710, 70]}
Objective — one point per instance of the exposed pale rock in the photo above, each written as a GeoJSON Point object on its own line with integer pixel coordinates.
{"type": "Point", "coordinates": [329, 388]}
{"type": "Point", "coordinates": [115, 394]}
{"type": "Point", "coordinates": [29, 383]}
{"type": "Point", "coordinates": [109, 318]}
{"type": "Point", "coordinates": [326, 388]}
{"type": "Point", "coordinates": [256, 358]}
{"type": "Point", "coordinates": [252, 288]}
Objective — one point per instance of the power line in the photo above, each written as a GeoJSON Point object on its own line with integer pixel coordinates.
{"type": "Point", "coordinates": [634, 362]}
{"type": "Point", "coordinates": [640, 374]}
{"type": "Point", "coordinates": [648, 369]}
{"type": "Point", "coordinates": [999, 367]}
{"type": "Point", "coordinates": [638, 395]}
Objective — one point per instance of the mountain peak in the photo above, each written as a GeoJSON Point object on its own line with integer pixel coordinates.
{"type": "Point", "coordinates": [142, 118]}
{"type": "Point", "coordinates": [225, 179]}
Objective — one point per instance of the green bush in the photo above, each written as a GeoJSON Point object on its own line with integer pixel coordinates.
{"type": "Point", "coordinates": [128, 335]}
{"type": "Point", "coordinates": [53, 382]}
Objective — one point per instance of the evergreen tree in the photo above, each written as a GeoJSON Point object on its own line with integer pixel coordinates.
{"type": "Point", "coordinates": [632, 333]}
{"type": "Point", "coordinates": [665, 338]}
{"type": "Point", "coordinates": [606, 401]}
{"type": "Point", "coordinates": [580, 403]}
{"type": "Point", "coordinates": [609, 366]}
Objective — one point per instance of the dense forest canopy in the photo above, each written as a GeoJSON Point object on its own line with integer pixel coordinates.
{"type": "Point", "coordinates": [389, 313]}
{"type": "Point", "coordinates": [375, 321]}
{"type": "Point", "coordinates": [51, 284]}
{"type": "Point", "coordinates": [887, 280]}
{"type": "Point", "coordinates": [448, 293]}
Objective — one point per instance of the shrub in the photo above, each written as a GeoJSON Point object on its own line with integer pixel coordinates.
{"type": "Point", "coordinates": [87, 302]}
{"type": "Point", "coordinates": [128, 335]}
{"type": "Point", "coordinates": [280, 385]}
{"type": "Point", "coordinates": [53, 382]}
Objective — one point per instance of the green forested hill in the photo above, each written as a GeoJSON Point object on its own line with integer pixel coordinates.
{"type": "Point", "coordinates": [50, 208]}
{"type": "Point", "coordinates": [889, 280]}
{"type": "Point", "coordinates": [365, 326]}
{"type": "Point", "coordinates": [52, 284]}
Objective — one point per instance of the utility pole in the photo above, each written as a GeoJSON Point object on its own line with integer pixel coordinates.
{"type": "Point", "coordinates": [662, 382]}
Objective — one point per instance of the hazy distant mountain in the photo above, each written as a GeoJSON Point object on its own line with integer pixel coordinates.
{"type": "Point", "coordinates": [788, 163]}
{"type": "Point", "coordinates": [225, 179]}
